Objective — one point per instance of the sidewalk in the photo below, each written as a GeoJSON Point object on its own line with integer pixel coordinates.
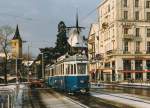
{"type": "Point", "coordinates": [134, 85]}
{"type": "Point", "coordinates": [123, 99]}
{"type": "Point", "coordinates": [122, 84]}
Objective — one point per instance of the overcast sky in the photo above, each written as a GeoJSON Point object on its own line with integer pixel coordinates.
{"type": "Point", "coordinates": [38, 19]}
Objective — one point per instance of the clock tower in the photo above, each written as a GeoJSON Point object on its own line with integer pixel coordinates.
{"type": "Point", "coordinates": [16, 44]}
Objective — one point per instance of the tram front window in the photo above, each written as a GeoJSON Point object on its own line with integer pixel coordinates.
{"type": "Point", "coordinates": [81, 67]}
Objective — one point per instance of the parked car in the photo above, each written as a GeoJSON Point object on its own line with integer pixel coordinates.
{"type": "Point", "coordinates": [36, 83]}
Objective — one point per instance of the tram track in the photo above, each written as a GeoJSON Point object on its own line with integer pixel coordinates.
{"type": "Point", "coordinates": [94, 102]}
{"type": "Point", "coordinates": [87, 100]}
{"type": "Point", "coordinates": [49, 97]}
{"type": "Point", "coordinates": [32, 100]}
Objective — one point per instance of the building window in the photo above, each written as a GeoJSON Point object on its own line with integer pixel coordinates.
{"type": "Point", "coordinates": [148, 32]}
{"type": "Point", "coordinates": [137, 32]}
{"type": "Point", "coordinates": [138, 65]}
{"type": "Point", "coordinates": [127, 76]}
{"type": "Point", "coordinates": [14, 43]}
{"type": "Point", "coordinates": [148, 47]}
{"type": "Point", "coordinates": [109, 8]}
{"type": "Point", "coordinates": [138, 76]}
{"type": "Point", "coordinates": [113, 64]}
{"type": "Point", "coordinates": [125, 14]}
{"type": "Point", "coordinates": [107, 65]}
{"type": "Point", "coordinates": [137, 49]}
{"type": "Point", "coordinates": [147, 4]}
{"type": "Point", "coordinates": [148, 64]}
{"type": "Point", "coordinates": [126, 46]}
{"type": "Point", "coordinates": [137, 15]}
{"type": "Point", "coordinates": [136, 3]}
{"type": "Point", "coordinates": [148, 75]}
{"type": "Point", "coordinates": [126, 64]}
{"type": "Point", "coordinates": [126, 30]}
{"type": "Point", "coordinates": [148, 15]}
{"type": "Point", "coordinates": [125, 3]}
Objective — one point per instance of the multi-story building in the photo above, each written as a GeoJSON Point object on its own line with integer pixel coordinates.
{"type": "Point", "coordinates": [94, 52]}
{"type": "Point", "coordinates": [124, 38]}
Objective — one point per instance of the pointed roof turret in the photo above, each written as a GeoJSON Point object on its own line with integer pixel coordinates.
{"type": "Point", "coordinates": [77, 22]}
{"type": "Point", "coordinates": [17, 34]}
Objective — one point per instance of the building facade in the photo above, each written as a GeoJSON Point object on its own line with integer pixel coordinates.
{"type": "Point", "coordinates": [124, 40]}
{"type": "Point", "coordinates": [93, 51]}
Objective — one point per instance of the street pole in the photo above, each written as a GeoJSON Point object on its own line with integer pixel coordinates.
{"type": "Point", "coordinates": [42, 67]}
{"type": "Point", "coordinates": [28, 65]}
{"type": "Point", "coordinates": [16, 71]}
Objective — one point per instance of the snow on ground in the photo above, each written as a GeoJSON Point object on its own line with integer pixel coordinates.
{"type": "Point", "coordinates": [124, 99]}
{"type": "Point", "coordinates": [136, 84]}
{"type": "Point", "coordinates": [8, 87]}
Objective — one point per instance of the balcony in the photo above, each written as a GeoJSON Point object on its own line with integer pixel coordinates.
{"type": "Point", "coordinates": [91, 51]}
{"type": "Point", "coordinates": [128, 37]}
{"type": "Point", "coordinates": [126, 52]}
{"type": "Point", "coordinates": [138, 68]}
{"type": "Point", "coordinates": [147, 52]}
{"type": "Point", "coordinates": [91, 40]}
{"type": "Point", "coordinates": [138, 52]}
{"type": "Point", "coordinates": [137, 38]}
{"type": "Point", "coordinates": [127, 68]}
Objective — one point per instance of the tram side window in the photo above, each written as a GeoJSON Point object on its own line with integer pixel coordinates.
{"type": "Point", "coordinates": [52, 74]}
{"type": "Point", "coordinates": [148, 75]}
{"type": "Point", "coordinates": [60, 70]}
{"type": "Point", "coordinates": [68, 68]}
{"type": "Point", "coordinates": [74, 68]}
{"type": "Point", "coordinates": [56, 70]}
{"type": "Point", "coordinates": [71, 69]}
{"type": "Point", "coordinates": [81, 68]}
{"type": "Point", "coordinates": [63, 69]}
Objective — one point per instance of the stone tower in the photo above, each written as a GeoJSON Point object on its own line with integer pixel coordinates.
{"type": "Point", "coordinates": [16, 44]}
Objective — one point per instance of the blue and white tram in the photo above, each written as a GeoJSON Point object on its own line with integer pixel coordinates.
{"type": "Point", "coordinates": [70, 74]}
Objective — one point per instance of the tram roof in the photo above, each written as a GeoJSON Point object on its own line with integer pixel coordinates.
{"type": "Point", "coordinates": [77, 57]}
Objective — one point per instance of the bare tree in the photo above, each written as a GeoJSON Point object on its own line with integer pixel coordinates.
{"type": "Point", "coordinates": [5, 32]}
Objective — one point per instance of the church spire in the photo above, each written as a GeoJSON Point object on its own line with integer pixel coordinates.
{"type": "Point", "coordinates": [77, 23]}
{"type": "Point", "coordinates": [17, 34]}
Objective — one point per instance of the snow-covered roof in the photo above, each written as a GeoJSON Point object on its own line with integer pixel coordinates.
{"type": "Point", "coordinates": [75, 39]}
{"type": "Point", "coordinates": [27, 63]}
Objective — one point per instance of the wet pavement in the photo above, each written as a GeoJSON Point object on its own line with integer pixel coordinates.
{"type": "Point", "coordinates": [135, 97]}
{"type": "Point", "coordinates": [48, 98]}
{"type": "Point", "coordinates": [141, 92]}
